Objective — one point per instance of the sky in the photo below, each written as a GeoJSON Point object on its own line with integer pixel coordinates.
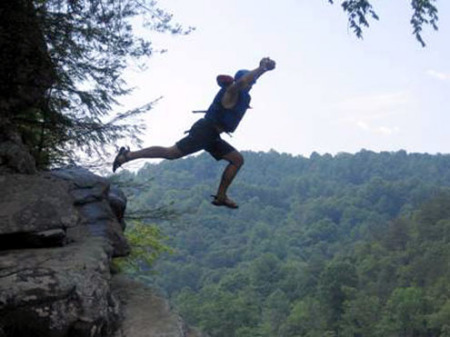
{"type": "Point", "coordinates": [331, 92]}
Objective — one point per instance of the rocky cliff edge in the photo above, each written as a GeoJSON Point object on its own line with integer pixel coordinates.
{"type": "Point", "coordinates": [59, 231]}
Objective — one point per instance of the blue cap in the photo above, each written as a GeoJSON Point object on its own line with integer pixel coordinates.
{"type": "Point", "coordinates": [241, 73]}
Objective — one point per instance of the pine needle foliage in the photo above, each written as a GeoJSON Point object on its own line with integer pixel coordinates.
{"type": "Point", "coordinates": [90, 43]}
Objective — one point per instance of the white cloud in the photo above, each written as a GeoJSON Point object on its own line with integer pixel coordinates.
{"type": "Point", "coordinates": [381, 130]}
{"type": "Point", "coordinates": [363, 125]}
{"type": "Point", "coordinates": [439, 75]}
{"type": "Point", "coordinates": [375, 112]}
{"type": "Point", "coordinates": [375, 106]}
{"type": "Point", "coordinates": [388, 131]}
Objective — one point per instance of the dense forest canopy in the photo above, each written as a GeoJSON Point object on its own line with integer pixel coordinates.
{"type": "Point", "coordinates": [344, 245]}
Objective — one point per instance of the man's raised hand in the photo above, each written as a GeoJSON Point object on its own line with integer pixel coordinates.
{"type": "Point", "coordinates": [267, 64]}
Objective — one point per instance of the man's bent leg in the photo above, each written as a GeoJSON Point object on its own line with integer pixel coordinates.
{"type": "Point", "coordinates": [235, 161]}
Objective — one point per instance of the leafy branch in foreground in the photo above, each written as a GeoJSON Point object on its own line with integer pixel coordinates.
{"type": "Point", "coordinates": [159, 213]}
{"type": "Point", "coordinates": [147, 245]}
{"type": "Point", "coordinates": [424, 13]}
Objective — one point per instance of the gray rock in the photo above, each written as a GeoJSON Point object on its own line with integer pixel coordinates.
{"type": "Point", "coordinates": [67, 290]}
{"type": "Point", "coordinates": [146, 314]}
{"type": "Point", "coordinates": [15, 158]}
{"type": "Point", "coordinates": [62, 291]}
{"type": "Point", "coordinates": [58, 292]}
{"type": "Point", "coordinates": [35, 203]}
{"type": "Point", "coordinates": [87, 187]}
{"type": "Point", "coordinates": [113, 232]}
{"type": "Point", "coordinates": [49, 238]}
{"type": "Point", "coordinates": [92, 199]}
{"type": "Point", "coordinates": [81, 177]}
{"type": "Point", "coordinates": [118, 203]}
{"type": "Point", "coordinates": [95, 211]}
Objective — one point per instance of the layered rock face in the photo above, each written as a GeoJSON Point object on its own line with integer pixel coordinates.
{"type": "Point", "coordinates": [58, 233]}
{"type": "Point", "coordinates": [145, 314]}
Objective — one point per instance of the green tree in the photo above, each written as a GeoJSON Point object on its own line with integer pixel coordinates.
{"type": "Point", "coordinates": [336, 283]}
{"type": "Point", "coordinates": [89, 43]}
{"type": "Point", "coordinates": [440, 319]}
{"type": "Point", "coordinates": [265, 273]}
{"type": "Point", "coordinates": [360, 316]}
{"type": "Point", "coordinates": [276, 309]}
{"type": "Point", "coordinates": [222, 313]}
{"type": "Point", "coordinates": [295, 282]}
{"type": "Point", "coordinates": [405, 314]}
{"type": "Point", "coordinates": [305, 319]}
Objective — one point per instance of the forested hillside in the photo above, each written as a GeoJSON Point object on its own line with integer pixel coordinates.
{"type": "Point", "coordinates": [345, 245]}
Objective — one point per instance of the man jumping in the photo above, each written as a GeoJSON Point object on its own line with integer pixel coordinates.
{"type": "Point", "coordinates": [224, 115]}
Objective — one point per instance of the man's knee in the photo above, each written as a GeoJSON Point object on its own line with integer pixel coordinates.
{"type": "Point", "coordinates": [235, 158]}
{"type": "Point", "coordinates": [173, 153]}
{"type": "Point", "coordinates": [240, 161]}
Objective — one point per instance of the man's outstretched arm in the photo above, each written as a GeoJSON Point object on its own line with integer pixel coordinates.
{"type": "Point", "coordinates": [232, 93]}
{"type": "Point", "coordinates": [266, 64]}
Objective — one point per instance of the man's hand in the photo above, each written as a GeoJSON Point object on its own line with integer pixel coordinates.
{"type": "Point", "coordinates": [267, 64]}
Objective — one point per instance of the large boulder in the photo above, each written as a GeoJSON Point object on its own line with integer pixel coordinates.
{"type": "Point", "coordinates": [58, 234]}
{"type": "Point", "coordinates": [63, 205]}
{"type": "Point", "coordinates": [34, 203]}
{"type": "Point", "coordinates": [146, 313]}
{"type": "Point", "coordinates": [58, 292]}
{"type": "Point", "coordinates": [97, 207]}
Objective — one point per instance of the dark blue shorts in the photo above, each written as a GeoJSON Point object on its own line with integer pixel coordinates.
{"type": "Point", "coordinates": [203, 135]}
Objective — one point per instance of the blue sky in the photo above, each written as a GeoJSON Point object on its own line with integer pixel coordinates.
{"type": "Point", "coordinates": [330, 93]}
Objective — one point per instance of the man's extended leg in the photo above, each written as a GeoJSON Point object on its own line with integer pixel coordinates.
{"type": "Point", "coordinates": [235, 162]}
{"type": "Point", "coordinates": [172, 152]}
